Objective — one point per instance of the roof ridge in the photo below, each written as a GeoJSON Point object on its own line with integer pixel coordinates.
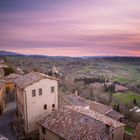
{"type": "Point", "coordinates": [108, 111]}
{"type": "Point", "coordinates": [45, 75]}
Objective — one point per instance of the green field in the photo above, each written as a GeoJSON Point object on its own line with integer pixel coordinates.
{"type": "Point", "coordinates": [121, 79]}
{"type": "Point", "coordinates": [121, 69]}
{"type": "Point", "coordinates": [129, 130]}
{"type": "Point", "coordinates": [127, 98]}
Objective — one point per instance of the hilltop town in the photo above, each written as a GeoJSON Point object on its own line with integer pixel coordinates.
{"type": "Point", "coordinates": [70, 70]}
{"type": "Point", "coordinates": [42, 98]}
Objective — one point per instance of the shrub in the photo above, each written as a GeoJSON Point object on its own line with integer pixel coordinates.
{"type": "Point", "coordinates": [8, 71]}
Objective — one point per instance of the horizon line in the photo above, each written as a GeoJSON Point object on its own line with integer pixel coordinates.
{"type": "Point", "coordinates": [68, 55]}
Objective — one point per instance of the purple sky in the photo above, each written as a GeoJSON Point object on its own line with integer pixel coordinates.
{"type": "Point", "coordinates": [70, 27]}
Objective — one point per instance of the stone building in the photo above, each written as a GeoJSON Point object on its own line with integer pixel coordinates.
{"type": "Point", "coordinates": [95, 106]}
{"type": "Point", "coordinates": [37, 96]}
{"type": "Point", "coordinates": [79, 123]}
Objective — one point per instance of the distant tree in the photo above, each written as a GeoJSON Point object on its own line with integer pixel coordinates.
{"type": "Point", "coordinates": [109, 88]}
{"type": "Point", "coordinates": [25, 71]}
{"type": "Point", "coordinates": [110, 97]}
{"type": "Point", "coordinates": [135, 102]}
{"type": "Point", "coordinates": [88, 81]}
{"type": "Point", "coordinates": [116, 107]}
{"type": "Point", "coordinates": [8, 71]}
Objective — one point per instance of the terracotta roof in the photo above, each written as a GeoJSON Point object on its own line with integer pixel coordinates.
{"type": "Point", "coordinates": [98, 107]}
{"type": "Point", "coordinates": [76, 100]}
{"type": "Point", "coordinates": [12, 76]}
{"type": "Point", "coordinates": [97, 116]}
{"type": "Point", "coordinates": [70, 124]}
{"type": "Point", "coordinates": [114, 115]}
{"type": "Point", "coordinates": [30, 78]}
{"type": "Point", "coordinates": [106, 110]}
{"type": "Point", "coordinates": [95, 106]}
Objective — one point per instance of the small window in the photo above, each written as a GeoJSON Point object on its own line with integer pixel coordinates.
{"type": "Point", "coordinates": [43, 130]}
{"type": "Point", "coordinates": [33, 93]}
{"type": "Point", "coordinates": [40, 92]}
{"type": "Point", "coordinates": [52, 89]}
{"type": "Point", "coordinates": [53, 105]}
{"type": "Point", "coordinates": [124, 136]}
{"type": "Point", "coordinates": [112, 135]}
{"type": "Point", "coordinates": [45, 107]}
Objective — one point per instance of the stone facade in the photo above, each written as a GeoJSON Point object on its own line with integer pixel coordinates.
{"type": "Point", "coordinates": [35, 99]}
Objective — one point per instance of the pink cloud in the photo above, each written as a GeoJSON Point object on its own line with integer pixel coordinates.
{"type": "Point", "coordinates": [93, 27]}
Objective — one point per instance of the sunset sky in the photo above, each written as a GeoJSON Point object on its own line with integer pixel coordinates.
{"type": "Point", "coordinates": [71, 27]}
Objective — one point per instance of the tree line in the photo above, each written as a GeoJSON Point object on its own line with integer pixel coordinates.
{"type": "Point", "coordinates": [88, 81]}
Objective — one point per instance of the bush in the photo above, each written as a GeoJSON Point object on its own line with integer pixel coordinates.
{"type": "Point", "coordinates": [8, 71]}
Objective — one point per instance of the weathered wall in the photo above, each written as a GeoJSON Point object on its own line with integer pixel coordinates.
{"type": "Point", "coordinates": [21, 106]}
{"type": "Point", "coordinates": [49, 135]}
{"type": "Point", "coordinates": [117, 133]}
{"type": "Point", "coordinates": [35, 105]}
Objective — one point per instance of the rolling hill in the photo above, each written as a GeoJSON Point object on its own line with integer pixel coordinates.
{"type": "Point", "coordinates": [6, 53]}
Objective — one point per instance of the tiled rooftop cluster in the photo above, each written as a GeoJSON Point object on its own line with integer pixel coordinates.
{"type": "Point", "coordinates": [71, 123]}
{"type": "Point", "coordinates": [95, 115]}
{"type": "Point", "coordinates": [95, 106]}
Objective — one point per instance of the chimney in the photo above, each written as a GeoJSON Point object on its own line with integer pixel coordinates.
{"type": "Point", "coordinates": [95, 99]}
{"type": "Point", "coordinates": [76, 93]}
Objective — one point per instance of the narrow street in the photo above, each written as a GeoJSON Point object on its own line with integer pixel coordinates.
{"type": "Point", "coordinates": [6, 122]}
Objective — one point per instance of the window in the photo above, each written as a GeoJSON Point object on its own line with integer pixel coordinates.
{"type": "Point", "coordinates": [43, 130]}
{"type": "Point", "coordinates": [124, 136]}
{"type": "Point", "coordinates": [33, 93]}
{"type": "Point", "coordinates": [45, 107]}
{"type": "Point", "coordinates": [52, 89]}
{"type": "Point", "coordinates": [40, 91]}
{"type": "Point", "coordinates": [112, 135]}
{"type": "Point", "coordinates": [53, 105]}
